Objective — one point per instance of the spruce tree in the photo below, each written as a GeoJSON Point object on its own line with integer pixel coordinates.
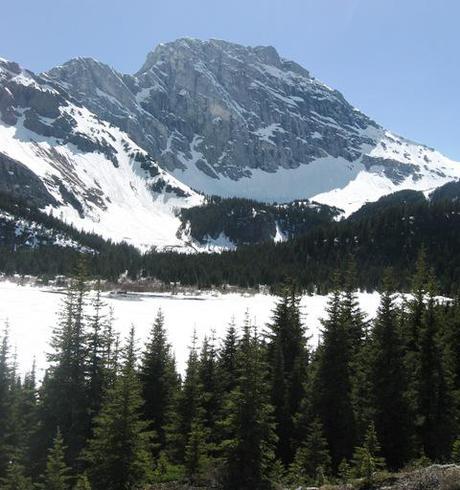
{"type": "Point", "coordinates": [57, 473]}
{"type": "Point", "coordinates": [366, 458]}
{"type": "Point", "coordinates": [312, 460]}
{"type": "Point", "coordinates": [228, 359]}
{"type": "Point", "coordinates": [210, 383]}
{"type": "Point", "coordinates": [82, 483]}
{"type": "Point", "coordinates": [5, 404]}
{"type": "Point", "coordinates": [191, 398]}
{"type": "Point", "coordinates": [435, 403]}
{"type": "Point", "coordinates": [390, 383]}
{"type": "Point", "coordinates": [99, 346]}
{"type": "Point", "coordinates": [196, 459]}
{"type": "Point", "coordinates": [15, 479]}
{"type": "Point", "coordinates": [64, 401]}
{"type": "Point", "coordinates": [118, 455]}
{"type": "Point", "coordinates": [250, 451]}
{"type": "Point", "coordinates": [332, 385]}
{"type": "Point", "coordinates": [288, 361]}
{"type": "Point", "coordinates": [160, 383]}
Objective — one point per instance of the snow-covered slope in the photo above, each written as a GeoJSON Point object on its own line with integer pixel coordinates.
{"type": "Point", "coordinates": [241, 121]}
{"type": "Point", "coordinates": [18, 232]}
{"type": "Point", "coordinates": [81, 168]}
{"type": "Point", "coordinates": [120, 154]}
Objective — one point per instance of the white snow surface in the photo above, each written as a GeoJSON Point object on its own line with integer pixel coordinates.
{"type": "Point", "coordinates": [32, 312]}
{"type": "Point", "coordinates": [131, 211]}
{"type": "Point", "coordinates": [329, 180]}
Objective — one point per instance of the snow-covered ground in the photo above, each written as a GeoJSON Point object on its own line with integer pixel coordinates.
{"type": "Point", "coordinates": [31, 314]}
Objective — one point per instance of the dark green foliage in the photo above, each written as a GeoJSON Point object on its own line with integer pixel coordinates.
{"type": "Point", "coordinates": [15, 479]}
{"type": "Point", "coordinates": [245, 221]}
{"type": "Point", "coordinates": [253, 412]}
{"type": "Point", "coordinates": [64, 401]}
{"type": "Point", "coordinates": [82, 483]}
{"type": "Point", "coordinates": [288, 364]}
{"type": "Point", "coordinates": [435, 403]}
{"type": "Point", "coordinates": [196, 458]}
{"type": "Point", "coordinates": [57, 473]}
{"type": "Point", "coordinates": [366, 459]}
{"type": "Point", "coordinates": [250, 451]}
{"type": "Point", "coordinates": [388, 232]}
{"type": "Point", "coordinates": [211, 386]}
{"type": "Point", "coordinates": [312, 461]}
{"type": "Point", "coordinates": [160, 383]}
{"type": "Point", "coordinates": [190, 406]}
{"type": "Point", "coordinates": [389, 382]}
{"type": "Point", "coordinates": [118, 455]}
{"type": "Point", "coordinates": [6, 413]}
{"type": "Point", "coordinates": [332, 386]}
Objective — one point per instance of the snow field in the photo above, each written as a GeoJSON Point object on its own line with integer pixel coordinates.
{"type": "Point", "coordinates": [31, 313]}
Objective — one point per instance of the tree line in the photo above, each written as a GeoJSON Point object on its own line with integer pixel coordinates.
{"type": "Point", "coordinates": [388, 232]}
{"type": "Point", "coordinates": [258, 409]}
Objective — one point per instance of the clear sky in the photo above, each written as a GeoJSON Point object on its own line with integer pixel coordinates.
{"type": "Point", "coordinates": [396, 60]}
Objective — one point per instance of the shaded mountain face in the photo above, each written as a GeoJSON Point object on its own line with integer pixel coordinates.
{"type": "Point", "coordinates": [238, 121]}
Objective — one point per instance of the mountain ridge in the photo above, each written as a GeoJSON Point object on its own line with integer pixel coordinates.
{"type": "Point", "coordinates": [122, 154]}
{"type": "Point", "coordinates": [231, 120]}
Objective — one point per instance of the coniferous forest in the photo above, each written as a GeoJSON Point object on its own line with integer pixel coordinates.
{"type": "Point", "coordinates": [257, 409]}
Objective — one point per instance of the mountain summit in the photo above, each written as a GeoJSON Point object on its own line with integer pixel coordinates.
{"type": "Point", "coordinates": [121, 154]}
{"type": "Point", "coordinates": [242, 121]}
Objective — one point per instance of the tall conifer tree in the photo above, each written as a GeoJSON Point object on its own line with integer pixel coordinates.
{"type": "Point", "coordinates": [118, 455]}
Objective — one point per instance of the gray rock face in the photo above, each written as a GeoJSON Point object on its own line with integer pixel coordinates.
{"type": "Point", "coordinates": [241, 108]}
{"type": "Point", "coordinates": [229, 120]}
{"type": "Point", "coordinates": [20, 182]}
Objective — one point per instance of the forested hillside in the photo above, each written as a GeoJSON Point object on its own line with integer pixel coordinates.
{"type": "Point", "coordinates": [389, 232]}
{"type": "Point", "coordinates": [248, 222]}
{"type": "Point", "coordinates": [257, 409]}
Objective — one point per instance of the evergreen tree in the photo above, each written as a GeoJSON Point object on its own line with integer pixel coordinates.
{"type": "Point", "coordinates": [5, 405]}
{"type": "Point", "coordinates": [190, 406]}
{"type": "Point", "coordinates": [390, 384]}
{"type": "Point", "coordinates": [64, 399]}
{"type": "Point", "coordinates": [367, 459]}
{"type": "Point", "coordinates": [250, 452]}
{"type": "Point", "coordinates": [160, 382]}
{"type": "Point", "coordinates": [210, 383]}
{"type": "Point", "coordinates": [455, 455]}
{"type": "Point", "coordinates": [332, 387]}
{"type": "Point", "coordinates": [312, 460]}
{"type": "Point", "coordinates": [99, 345]}
{"type": "Point", "coordinates": [353, 320]}
{"type": "Point", "coordinates": [196, 453]}
{"type": "Point", "coordinates": [288, 361]}
{"type": "Point", "coordinates": [15, 479]}
{"type": "Point", "coordinates": [82, 483]}
{"type": "Point", "coordinates": [228, 360]}
{"type": "Point", "coordinates": [118, 455]}
{"type": "Point", "coordinates": [56, 475]}
{"type": "Point", "coordinates": [435, 402]}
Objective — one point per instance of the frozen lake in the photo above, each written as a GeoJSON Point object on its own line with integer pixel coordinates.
{"type": "Point", "coordinates": [32, 313]}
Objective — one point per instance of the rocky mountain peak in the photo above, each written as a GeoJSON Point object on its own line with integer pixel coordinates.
{"type": "Point", "coordinates": [234, 120]}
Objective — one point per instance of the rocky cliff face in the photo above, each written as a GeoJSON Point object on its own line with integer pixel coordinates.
{"type": "Point", "coordinates": [240, 121]}
{"type": "Point", "coordinates": [59, 156]}
{"type": "Point", "coordinates": [121, 155]}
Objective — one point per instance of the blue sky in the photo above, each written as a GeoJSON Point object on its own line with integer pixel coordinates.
{"type": "Point", "coordinates": [396, 60]}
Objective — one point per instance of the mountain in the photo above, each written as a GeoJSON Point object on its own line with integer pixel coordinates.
{"type": "Point", "coordinates": [62, 158]}
{"type": "Point", "coordinates": [239, 121]}
{"type": "Point", "coordinates": [131, 157]}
